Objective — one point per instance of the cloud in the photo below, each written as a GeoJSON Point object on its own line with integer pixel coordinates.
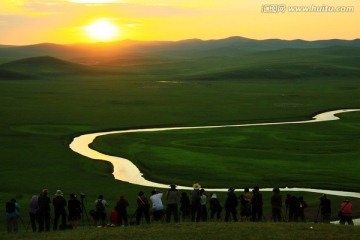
{"type": "Point", "coordinates": [95, 1]}
{"type": "Point", "coordinates": [108, 8]}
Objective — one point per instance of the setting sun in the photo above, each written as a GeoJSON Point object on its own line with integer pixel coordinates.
{"type": "Point", "coordinates": [102, 30]}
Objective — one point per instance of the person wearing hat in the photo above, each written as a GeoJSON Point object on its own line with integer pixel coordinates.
{"type": "Point", "coordinates": [215, 207]}
{"type": "Point", "coordinates": [44, 211]}
{"type": "Point", "coordinates": [59, 204]}
{"type": "Point", "coordinates": [195, 203]}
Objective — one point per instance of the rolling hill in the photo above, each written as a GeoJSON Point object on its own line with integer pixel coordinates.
{"type": "Point", "coordinates": [192, 48]}
{"type": "Point", "coordinates": [40, 66]}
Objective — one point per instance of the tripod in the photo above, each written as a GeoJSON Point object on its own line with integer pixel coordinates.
{"type": "Point", "coordinates": [317, 215]}
{"type": "Point", "coordinates": [22, 221]}
{"type": "Point", "coordinates": [83, 209]}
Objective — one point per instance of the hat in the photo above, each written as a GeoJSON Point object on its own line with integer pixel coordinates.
{"type": "Point", "coordinates": [196, 186]}
{"type": "Point", "coordinates": [214, 195]}
{"type": "Point", "coordinates": [59, 193]}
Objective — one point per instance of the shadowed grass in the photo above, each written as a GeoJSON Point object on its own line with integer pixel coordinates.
{"type": "Point", "coordinates": [266, 231]}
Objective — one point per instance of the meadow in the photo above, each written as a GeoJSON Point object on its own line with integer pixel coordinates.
{"type": "Point", "coordinates": [309, 155]}
{"type": "Point", "coordinates": [41, 114]}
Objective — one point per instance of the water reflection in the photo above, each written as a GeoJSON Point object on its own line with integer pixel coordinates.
{"type": "Point", "coordinates": [125, 170]}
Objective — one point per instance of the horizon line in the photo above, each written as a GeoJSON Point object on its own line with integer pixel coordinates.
{"type": "Point", "coordinates": [175, 41]}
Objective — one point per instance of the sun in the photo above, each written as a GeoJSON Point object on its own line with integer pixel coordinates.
{"type": "Point", "coordinates": [102, 30]}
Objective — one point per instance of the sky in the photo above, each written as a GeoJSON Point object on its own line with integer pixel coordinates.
{"type": "Point", "coordinates": [24, 22]}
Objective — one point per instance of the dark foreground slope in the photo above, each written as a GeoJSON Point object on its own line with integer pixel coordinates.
{"type": "Point", "coordinates": [209, 231]}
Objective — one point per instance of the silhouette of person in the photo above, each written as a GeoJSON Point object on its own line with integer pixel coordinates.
{"type": "Point", "coordinates": [276, 205]}
{"type": "Point", "coordinates": [257, 205]}
{"type": "Point", "coordinates": [231, 203]}
{"type": "Point", "coordinates": [59, 204]}
{"type": "Point", "coordinates": [43, 212]}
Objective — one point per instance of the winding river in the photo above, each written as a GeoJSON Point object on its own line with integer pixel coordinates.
{"type": "Point", "coordinates": [126, 171]}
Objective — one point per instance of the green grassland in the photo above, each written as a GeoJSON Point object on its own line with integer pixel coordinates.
{"type": "Point", "coordinates": [40, 114]}
{"type": "Point", "coordinates": [317, 155]}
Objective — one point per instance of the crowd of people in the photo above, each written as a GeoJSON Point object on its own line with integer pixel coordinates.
{"type": "Point", "coordinates": [168, 206]}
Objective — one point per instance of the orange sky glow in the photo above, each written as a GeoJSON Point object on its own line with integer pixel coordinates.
{"type": "Point", "coordinates": [25, 22]}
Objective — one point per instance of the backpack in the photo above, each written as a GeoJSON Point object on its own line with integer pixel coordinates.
{"type": "Point", "coordinates": [10, 207]}
{"type": "Point", "coordinates": [100, 206]}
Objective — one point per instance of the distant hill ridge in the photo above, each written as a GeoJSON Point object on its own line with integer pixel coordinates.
{"type": "Point", "coordinates": [232, 46]}
{"type": "Point", "coordinates": [44, 65]}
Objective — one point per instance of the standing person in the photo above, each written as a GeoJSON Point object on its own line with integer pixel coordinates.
{"type": "Point", "coordinates": [113, 218]}
{"type": "Point", "coordinates": [143, 207]}
{"type": "Point", "coordinates": [172, 198]}
{"type": "Point", "coordinates": [12, 216]}
{"type": "Point", "coordinates": [33, 207]}
{"type": "Point", "coordinates": [157, 205]}
{"type": "Point", "coordinates": [195, 202]}
{"type": "Point", "coordinates": [325, 205]}
{"type": "Point", "coordinates": [257, 205]}
{"type": "Point", "coordinates": [346, 212]}
{"type": "Point", "coordinates": [215, 207]}
{"type": "Point", "coordinates": [203, 209]}
{"type": "Point", "coordinates": [287, 205]}
{"type": "Point", "coordinates": [302, 206]}
{"type": "Point", "coordinates": [59, 204]}
{"type": "Point", "coordinates": [75, 210]}
{"type": "Point", "coordinates": [245, 205]}
{"type": "Point", "coordinates": [44, 211]}
{"type": "Point", "coordinates": [294, 209]}
{"type": "Point", "coordinates": [276, 204]}
{"type": "Point", "coordinates": [185, 207]}
{"type": "Point", "coordinates": [121, 208]}
{"type": "Point", "coordinates": [100, 210]}
{"type": "Point", "coordinates": [231, 203]}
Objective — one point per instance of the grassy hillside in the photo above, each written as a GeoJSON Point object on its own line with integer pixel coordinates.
{"type": "Point", "coordinates": [40, 117]}
{"type": "Point", "coordinates": [42, 66]}
{"type": "Point", "coordinates": [193, 48]}
{"type": "Point", "coordinates": [214, 231]}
